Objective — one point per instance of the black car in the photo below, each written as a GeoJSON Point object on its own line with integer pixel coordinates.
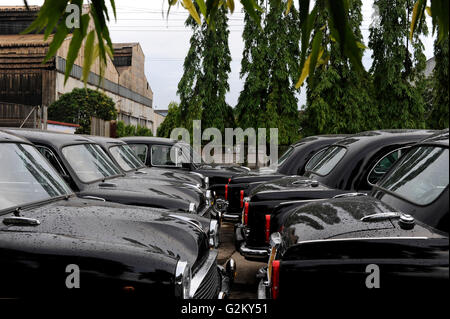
{"type": "Point", "coordinates": [350, 167]}
{"type": "Point", "coordinates": [52, 242]}
{"type": "Point", "coordinates": [92, 174]}
{"type": "Point", "coordinates": [395, 238]}
{"type": "Point", "coordinates": [292, 162]}
{"type": "Point", "coordinates": [125, 158]}
{"type": "Point", "coordinates": [156, 152]}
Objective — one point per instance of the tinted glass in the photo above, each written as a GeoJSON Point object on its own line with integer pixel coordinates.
{"type": "Point", "coordinates": [314, 160]}
{"type": "Point", "coordinates": [125, 157]}
{"type": "Point", "coordinates": [26, 177]}
{"type": "Point", "coordinates": [383, 166]}
{"type": "Point", "coordinates": [421, 175]}
{"type": "Point", "coordinates": [90, 162]}
{"type": "Point", "coordinates": [327, 160]}
{"type": "Point", "coordinates": [162, 155]}
{"type": "Point", "coordinates": [140, 150]}
{"type": "Point", "coordinates": [285, 155]}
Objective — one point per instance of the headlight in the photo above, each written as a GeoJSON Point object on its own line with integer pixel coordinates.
{"type": "Point", "coordinates": [206, 182]}
{"type": "Point", "coordinates": [213, 233]}
{"type": "Point", "coordinates": [192, 208]}
{"type": "Point", "coordinates": [183, 280]}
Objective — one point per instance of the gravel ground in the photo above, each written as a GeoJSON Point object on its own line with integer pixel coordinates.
{"type": "Point", "coordinates": [246, 283]}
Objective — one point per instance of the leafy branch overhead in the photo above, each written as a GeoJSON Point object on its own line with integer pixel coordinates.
{"type": "Point", "coordinates": [53, 14]}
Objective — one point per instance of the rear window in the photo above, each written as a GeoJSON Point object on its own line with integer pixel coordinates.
{"type": "Point", "coordinates": [324, 162]}
{"type": "Point", "coordinates": [420, 176]}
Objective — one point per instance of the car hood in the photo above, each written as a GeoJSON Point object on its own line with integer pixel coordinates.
{"type": "Point", "coordinates": [93, 222]}
{"type": "Point", "coordinates": [341, 218]}
{"type": "Point", "coordinates": [170, 174]}
{"type": "Point", "coordinates": [144, 191]}
{"type": "Point", "coordinates": [291, 188]}
{"type": "Point", "coordinates": [253, 176]}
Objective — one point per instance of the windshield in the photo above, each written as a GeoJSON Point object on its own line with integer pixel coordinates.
{"type": "Point", "coordinates": [420, 176]}
{"type": "Point", "coordinates": [125, 157]}
{"type": "Point", "coordinates": [324, 162]}
{"type": "Point", "coordinates": [90, 162]}
{"type": "Point", "coordinates": [26, 177]}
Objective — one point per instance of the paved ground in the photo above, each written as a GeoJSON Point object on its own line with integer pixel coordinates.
{"type": "Point", "coordinates": [246, 283]}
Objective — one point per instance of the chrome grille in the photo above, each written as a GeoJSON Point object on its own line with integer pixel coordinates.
{"type": "Point", "coordinates": [210, 286]}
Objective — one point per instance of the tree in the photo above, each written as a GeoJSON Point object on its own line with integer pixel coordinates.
{"type": "Point", "coordinates": [80, 105]}
{"type": "Point", "coordinates": [397, 73]}
{"type": "Point", "coordinates": [270, 68]}
{"type": "Point", "coordinates": [338, 97]}
{"type": "Point", "coordinates": [172, 120]}
{"type": "Point", "coordinates": [53, 15]}
{"type": "Point", "coordinates": [131, 130]}
{"type": "Point", "coordinates": [439, 113]}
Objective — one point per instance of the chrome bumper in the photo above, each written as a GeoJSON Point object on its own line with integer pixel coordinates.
{"type": "Point", "coordinates": [232, 218]}
{"type": "Point", "coordinates": [250, 253]}
{"type": "Point", "coordinates": [264, 285]}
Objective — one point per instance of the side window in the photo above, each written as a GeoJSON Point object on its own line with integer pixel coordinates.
{"type": "Point", "coordinates": [48, 154]}
{"type": "Point", "coordinates": [313, 160]}
{"type": "Point", "coordinates": [161, 155]}
{"type": "Point", "coordinates": [383, 165]}
{"type": "Point", "coordinates": [140, 150]}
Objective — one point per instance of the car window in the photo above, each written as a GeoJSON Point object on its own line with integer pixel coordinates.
{"type": "Point", "coordinates": [140, 150]}
{"type": "Point", "coordinates": [164, 155]}
{"type": "Point", "coordinates": [313, 160]}
{"type": "Point", "coordinates": [327, 160]}
{"type": "Point", "coordinates": [383, 165]}
{"type": "Point", "coordinates": [26, 177]}
{"type": "Point", "coordinates": [90, 162]}
{"type": "Point", "coordinates": [48, 154]}
{"type": "Point", "coordinates": [125, 157]}
{"type": "Point", "coordinates": [421, 175]}
{"type": "Point", "coordinates": [285, 155]}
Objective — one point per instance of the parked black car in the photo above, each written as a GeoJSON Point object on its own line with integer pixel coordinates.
{"type": "Point", "coordinates": [47, 233]}
{"type": "Point", "coordinates": [125, 158]}
{"type": "Point", "coordinates": [292, 162]}
{"type": "Point", "coordinates": [92, 174]}
{"type": "Point", "coordinates": [155, 152]}
{"type": "Point", "coordinates": [349, 167]}
{"type": "Point", "coordinates": [401, 230]}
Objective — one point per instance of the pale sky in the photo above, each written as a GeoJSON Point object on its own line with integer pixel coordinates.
{"type": "Point", "coordinates": [165, 42]}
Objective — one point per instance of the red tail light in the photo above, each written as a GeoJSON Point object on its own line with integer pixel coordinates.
{"type": "Point", "coordinates": [226, 192]}
{"type": "Point", "coordinates": [267, 228]}
{"type": "Point", "coordinates": [242, 198]}
{"type": "Point", "coordinates": [246, 213]}
{"type": "Point", "coordinates": [275, 279]}
{"type": "Point", "coordinates": [229, 180]}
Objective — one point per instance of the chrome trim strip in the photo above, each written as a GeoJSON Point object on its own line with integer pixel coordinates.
{"type": "Point", "coordinates": [203, 271]}
{"type": "Point", "coordinates": [358, 238]}
{"type": "Point", "coordinates": [254, 252]}
{"type": "Point", "coordinates": [94, 198]}
{"type": "Point", "coordinates": [379, 216]}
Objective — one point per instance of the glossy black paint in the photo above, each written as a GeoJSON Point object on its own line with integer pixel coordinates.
{"type": "Point", "coordinates": [364, 150]}
{"type": "Point", "coordinates": [123, 189]}
{"type": "Point", "coordinates": [114, 245]}
{"type": "Point", "coordinates": [326, 245]}
{"type": "Point", "coordinates": [217, 173]}
{"type": "Point", "coordinates": [302, 151]}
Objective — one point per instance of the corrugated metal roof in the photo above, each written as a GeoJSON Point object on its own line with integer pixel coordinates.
{"type": "Point", "coordinates": [12, 40]}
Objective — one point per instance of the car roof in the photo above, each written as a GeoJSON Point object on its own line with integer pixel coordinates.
{"type": "Point", "coordinates": [105, 142]}
{"type": "Point", "coordinates": [440, 139]}
{"type": "Point", "coordinates": [377, 136]}
{"type": "Point", "coordinates": [56, 139]}
{"type": "Point", "coordinates": [11, 138]}
{"type": "Point", "coordinates": [324, 137]}
{"type": "Point", "coordinates": [150, 140]}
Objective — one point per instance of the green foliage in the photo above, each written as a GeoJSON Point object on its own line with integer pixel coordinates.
{"type": "Point", "coordinates": [397, 74]}
{"type": "Point", "coordinates": [270, 68]}
{"type": "Point", "coordinates": [204, 83]}
{"type": "Point", "coordinates": [439, 111]}
{"type": "Point", "coordinates": [80, 105]}
{"type": "Point", "coordinates": [172, 120]}
{"type": "Point", "coordinates": [339, 99]}
{"type": "Point", "coordinates": [123, 130]}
